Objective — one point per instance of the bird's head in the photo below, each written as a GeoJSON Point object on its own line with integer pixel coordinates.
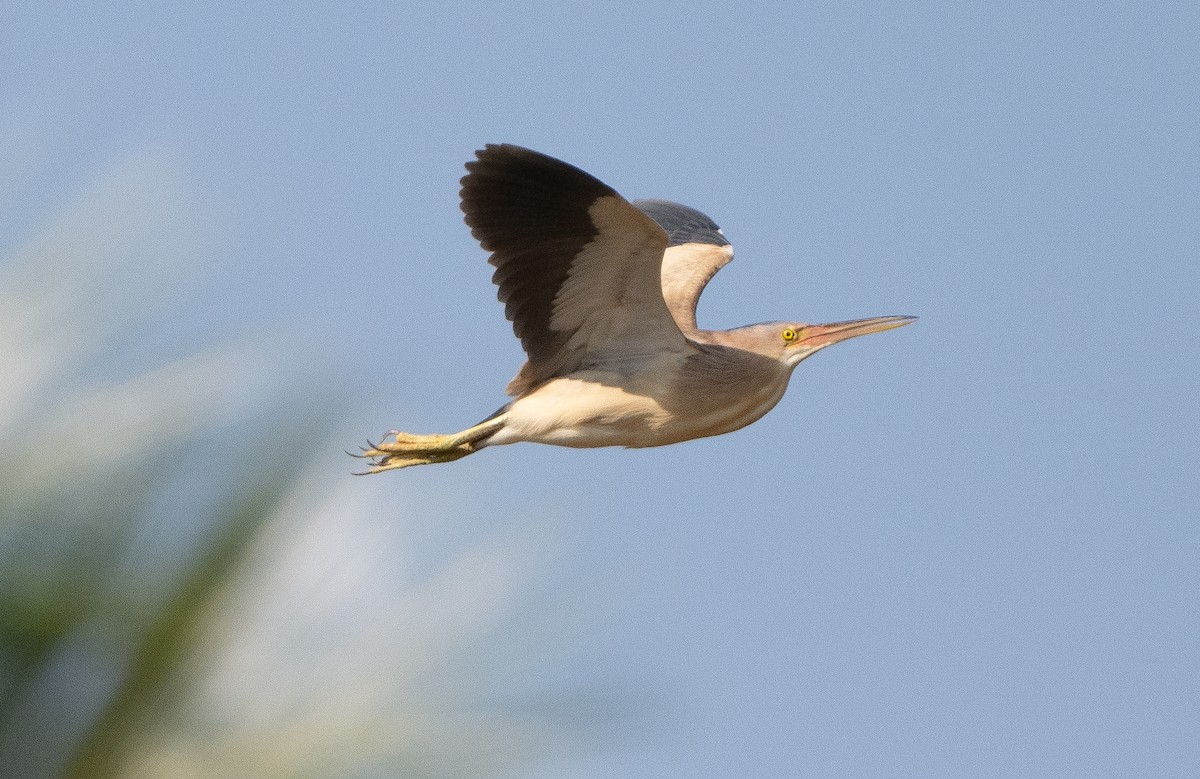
{"type": "Point", "coordinates": [791, 342]}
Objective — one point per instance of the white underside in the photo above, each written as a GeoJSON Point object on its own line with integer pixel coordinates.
{"type": "Point", "coordinates": [584, 411]}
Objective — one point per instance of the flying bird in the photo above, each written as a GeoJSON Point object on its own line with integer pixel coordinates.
{"type": "Point", "coordinates": [602, 294]}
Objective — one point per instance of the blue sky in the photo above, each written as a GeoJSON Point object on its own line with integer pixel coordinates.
{"type": "Point", "coordinates": [968, 545]}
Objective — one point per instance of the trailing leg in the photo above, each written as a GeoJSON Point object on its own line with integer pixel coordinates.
{"type": "Point", "coordinates": [400, 450]}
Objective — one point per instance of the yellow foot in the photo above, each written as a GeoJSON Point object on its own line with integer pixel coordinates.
{"type": "Point", "coordinates": [400, 450]}
{"type": "Point", "coordinates": [405, 449]}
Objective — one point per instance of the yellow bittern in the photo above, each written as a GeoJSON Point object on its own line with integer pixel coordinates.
{"type": "Point", "coordinates": [602, 293]}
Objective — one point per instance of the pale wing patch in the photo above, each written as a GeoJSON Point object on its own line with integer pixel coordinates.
{"type": "Point", "coordinates": [612, 300]}
{"type": "Point", "coordinates": [686, 269]}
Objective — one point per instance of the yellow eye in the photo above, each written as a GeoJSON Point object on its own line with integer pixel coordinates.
{"type": "Point", "coordinates": [789, 334]}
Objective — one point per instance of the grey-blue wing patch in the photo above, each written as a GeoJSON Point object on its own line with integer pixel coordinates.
{"type": "Point", "coordinates": [681, 223]}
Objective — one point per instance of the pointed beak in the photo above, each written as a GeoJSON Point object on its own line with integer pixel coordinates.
{"type": "Point", "coordinates": [819, 336]}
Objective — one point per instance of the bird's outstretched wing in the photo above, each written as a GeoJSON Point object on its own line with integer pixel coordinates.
{"type": "Point", "coordinates": [697, 250]}
{"type": "Point", "coordinates": [578, 267]}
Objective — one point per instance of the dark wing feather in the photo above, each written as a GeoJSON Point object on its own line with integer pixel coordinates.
{"type": "Point", "coordinates": [578, 268]}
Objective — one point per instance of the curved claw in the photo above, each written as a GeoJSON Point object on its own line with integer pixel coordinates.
{"type": "Point", "coordinates": [394, 462]}
{"type": "Point", "coordinates": [374, 450]}
{"type": "Point", "coordinates": [407, 449]}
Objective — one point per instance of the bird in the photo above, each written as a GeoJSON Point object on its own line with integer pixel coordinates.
{"type": "Point", "coordinates": [602, 292]}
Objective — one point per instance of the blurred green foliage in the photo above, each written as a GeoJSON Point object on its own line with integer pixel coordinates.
{"type": "Point", "coordinates": [127, 490]}
{"type": "Point", "coordinates": [63, 589]}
